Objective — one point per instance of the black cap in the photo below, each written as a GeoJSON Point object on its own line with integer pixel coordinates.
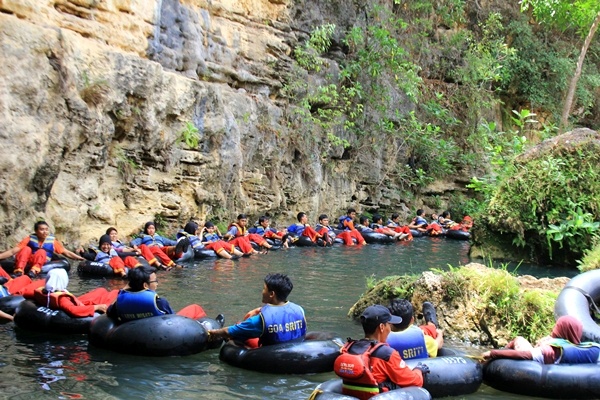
{"type": "Point", "coordinates": [378, 314]}
{"type": "Point", "coordinates": [105, 239]}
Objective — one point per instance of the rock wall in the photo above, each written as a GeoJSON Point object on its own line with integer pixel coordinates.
{"type": "Point", "coordinates": [95, 95]}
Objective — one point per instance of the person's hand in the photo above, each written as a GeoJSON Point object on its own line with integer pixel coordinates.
{"type": "Point", "coordinates": [423, 368]}
{"type": "Point", "coordinates": [101, 308]}
{"type": "Point", "coordinates": [487, 355]}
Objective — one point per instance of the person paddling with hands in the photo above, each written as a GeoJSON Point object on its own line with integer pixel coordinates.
{"type": "Point", "coordinates": [277, 321]}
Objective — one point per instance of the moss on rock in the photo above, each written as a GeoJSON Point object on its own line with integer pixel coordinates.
{"type": "Point", "coordinates": [475, 303]}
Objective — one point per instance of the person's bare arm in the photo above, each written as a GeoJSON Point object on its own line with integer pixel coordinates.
{"type": "Point", "coordinates": [72, 255]}
{"type": "Point", "coordinates": [6, 316]}
{"type": "Point", "coordinates": [9, 252]}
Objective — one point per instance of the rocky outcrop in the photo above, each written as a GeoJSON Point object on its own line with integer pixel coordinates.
{"type": "Point", "coordinates": [98, 97]}
{"type": "Point", "coordinates": [468, 314]}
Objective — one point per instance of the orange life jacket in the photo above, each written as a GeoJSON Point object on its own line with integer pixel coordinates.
{"type": "Point", "coordinates": [355, 371]}
{"type": "Point", "coordinates": [240, 231]}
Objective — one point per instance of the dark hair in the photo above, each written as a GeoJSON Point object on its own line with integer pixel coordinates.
{"type": "Point", "coordinates": [109, 230]}
{"type": "Point", "coordinates": [350, 210]}
{"type": "Point", "coordinates": [280, 284]}
{"type": "Point", "coordinates": [38, 224]}
{"type": "Point", "coordinates": [242, 216]}
{"type": "Point", "coordinates": [394, 216]}
{"type": "Point", "coordinates": [139, 276]}
{"type": "Point", "coordinates": [403, 309]}
{"type": "Point", "coordinates": [377, 218]}
{"type": "Point", "coordinates": [363, 219]}
{"type": "Point", "coordinates": [147, 225]}
{"type": "Point", "coordinates": [262, 219]}
{"type": "Point", "coordinates": [368, 328]}
{"type": "Point", "coordinates": [445, 214]}
{"type": "Point", "coordinates": [209, 224]}
{"type": "Point", "coordinates": [191, 228]}
{"type": "Point", "coordinates": [420, 211]}
{"type": "Point", "coordinates": [300, 215]}
{"type": "Point", "coordinates": [322, 217]}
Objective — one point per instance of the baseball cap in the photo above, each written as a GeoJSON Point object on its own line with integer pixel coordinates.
{"type": "Point", "coordinates": [378, 314]}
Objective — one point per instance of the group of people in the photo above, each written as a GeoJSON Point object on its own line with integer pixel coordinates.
{"type": "Point", "coordinates": [390, 333]}
{"type": "Point", "coordinates": [438, 223]}
{"type": "Point", "coordinates": [41, 247]}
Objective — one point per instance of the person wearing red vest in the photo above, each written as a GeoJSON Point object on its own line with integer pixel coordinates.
{"type": "Point", "coordinates": [36, 250]}
{"type": "Point", "coordinates": [387, 370]}
{"type": "Point", "coordinates": [54, 295]}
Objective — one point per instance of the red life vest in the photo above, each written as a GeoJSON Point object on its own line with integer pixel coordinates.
{"type": "Point", "coordinates": [51, 300]}
{"type": "Point", "coordinates": [355, 371]}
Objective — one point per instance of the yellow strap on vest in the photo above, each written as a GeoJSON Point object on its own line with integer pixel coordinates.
{"type": "Point", "coordinates": [361, 388]}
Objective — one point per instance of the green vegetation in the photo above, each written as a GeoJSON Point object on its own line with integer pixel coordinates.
{"type": "Point", "coordinates": [477, 299]}
{"type": "Point", "coordinates": [591, 259]}
{"type": "Point", "coordinates": [581, 15]}
{"type": "Point", "coordinates": [550, 201]}
{"type": "Point", "coordinates": [189, 135]}
{"type": "Point", "coordinates": [497, 295]}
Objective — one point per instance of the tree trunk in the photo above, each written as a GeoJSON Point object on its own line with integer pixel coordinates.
{"type": "Point", "coordinates": [573, 85]}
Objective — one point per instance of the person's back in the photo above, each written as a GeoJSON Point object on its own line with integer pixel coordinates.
{"type": "Point", "coordinates": [277, 321]}
{"type": "Point", "coordinates": [414, 341]}
{"type": "Point", "coordinates": [285, 323]}
{"type": "Point", "coordinates": [410, 343]}
{"type": "Point", "coordinates": [386, 368]}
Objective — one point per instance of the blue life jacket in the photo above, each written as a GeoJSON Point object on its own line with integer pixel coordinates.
{"type": "Point", "coordinates": [117, 245]}
{"type": "Point", "coordinates": [391, 223]}
{"type": "Point", "coordinates": [211, 237]}
{"type": "Point", "coordinates": [137, 305]}
{"type": "Point", "coordinates": [583, 353]}
{"type": "Point", "coordinates": [103, 257]}
{"type": "Point", "coordinates": [363, 228]}
{"type": "Point", "coordinates": [155, 240]}
{"type": "Point", "coordinates": [47, 246]}
{"type": "Point", "coordinates": [260, 230]}
{"type": "Point", "coordinates": [194, 240]}
{"type": "Point", "coordinates": [420, 220]}
{"type": "Point", "coordinates": [410, 343]}
{"type": "Point", "coordinates": [296, 229]}
{"type": "Point", "coordinates": [281, 324]}
{"type": "Point", "coordinates": [4, 291]}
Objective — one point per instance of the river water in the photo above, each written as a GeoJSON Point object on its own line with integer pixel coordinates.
{"type": "Point", "coordinates": [327, 282]}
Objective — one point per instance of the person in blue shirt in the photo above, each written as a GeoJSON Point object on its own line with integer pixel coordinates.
{"type": "Point", "coordinates": [277, 321]}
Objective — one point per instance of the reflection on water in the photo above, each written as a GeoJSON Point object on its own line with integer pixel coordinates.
{"type": "Point", "coordinates": [327, 282]}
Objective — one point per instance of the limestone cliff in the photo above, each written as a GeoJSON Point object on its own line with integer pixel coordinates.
{"type": "Point", "coordinates": [95, 95]}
